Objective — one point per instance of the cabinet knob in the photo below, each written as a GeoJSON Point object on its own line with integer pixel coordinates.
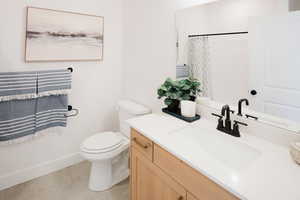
{"type": "Point", "coordinates": [180, 198]}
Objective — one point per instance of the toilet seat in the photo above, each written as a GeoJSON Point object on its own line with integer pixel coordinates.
{"type": "Point", "coordinates": [102, 142]}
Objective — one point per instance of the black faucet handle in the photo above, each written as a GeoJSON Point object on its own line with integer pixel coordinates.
{"type": "Point", "coordinates": [220, 121]}
{"type": "Point", "coordinates": [236, 128]}
{"type": "Point", "coordinates": [240, 123]}
{"type": "Point", "coordinates": [216, 115]}
{"type": "Point", "coordinates": [252, 117]}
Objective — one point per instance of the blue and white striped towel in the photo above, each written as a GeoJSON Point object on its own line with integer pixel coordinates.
{"type": "Point", "coordinates": [31, 102]}
{"type": "Point", "coordinates": [18, 85]}
{"type": "Point", "coordinates": [53, 82]}
{"type": "Point", "coordinates": [51, 111]}
{"type": "Point", "coordinates": [27, 85]}
{"type": "Point", "coordinates": [19, 118]}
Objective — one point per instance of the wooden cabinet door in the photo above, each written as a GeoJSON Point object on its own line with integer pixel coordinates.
{"type": "Point", "coordinates": [148, 182]}
{"type": "Point", "coordinates": [201, 186]}
{"type": "Point", "coordinates": [191, 197]}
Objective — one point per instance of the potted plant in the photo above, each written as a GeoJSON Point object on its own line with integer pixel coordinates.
{"type": "Point", "coordinates": [178, 90]}
{"type": "Point", "coordinates": [191, 87]}
{"type": "Point", "coordinates": [171, 92]}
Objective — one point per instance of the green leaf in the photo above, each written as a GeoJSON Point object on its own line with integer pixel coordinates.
{"type": "Point", "coordinates": [161, 92]}
{"type": "Point", "coordinates": [168, 101]}
{"type": "Point", "coordinates": [178, 89]}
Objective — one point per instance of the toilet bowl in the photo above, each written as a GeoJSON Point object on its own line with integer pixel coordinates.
{"type": "Point", "coordinates": [108, 151]}
{"type": "Point", "coordinates": [100, 149]}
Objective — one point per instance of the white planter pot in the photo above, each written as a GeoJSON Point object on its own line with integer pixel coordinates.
{"type": "Point", "coordinates": [188, 108]}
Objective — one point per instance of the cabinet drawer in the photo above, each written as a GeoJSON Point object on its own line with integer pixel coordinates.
{"type": "Point", "coordinates": [142, 144]}
{"type": "Point", "coordinates": [196, 183]}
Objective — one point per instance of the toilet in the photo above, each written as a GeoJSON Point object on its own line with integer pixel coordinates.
{"type": "Point", "coordinates": [109, 151]}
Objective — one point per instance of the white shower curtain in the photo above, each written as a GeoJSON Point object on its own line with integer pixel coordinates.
{"type": "Point", "coordinates": [198, 61]}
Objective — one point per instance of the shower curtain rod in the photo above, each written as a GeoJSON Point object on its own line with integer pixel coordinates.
{"type": "Point", "coordinates": [215, 34]}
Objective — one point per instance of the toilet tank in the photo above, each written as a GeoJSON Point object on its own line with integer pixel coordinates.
{"type": "Point", "coordinates": [127, 110]}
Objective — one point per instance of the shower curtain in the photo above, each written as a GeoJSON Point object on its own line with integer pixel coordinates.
{"type": "Point", "coordinates": [198, 62]}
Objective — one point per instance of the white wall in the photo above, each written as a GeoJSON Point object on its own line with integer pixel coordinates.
{"type": "Point", "coordinates": [149, 48]}
{"type": "Point", "coordinates": [96, 88]}
{"type": "Point", "coordinates": [189, 3]}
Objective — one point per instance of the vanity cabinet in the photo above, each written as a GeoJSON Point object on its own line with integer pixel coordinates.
{"type": "Point", "coordinates": [158, 175]}
{"type": "Point", "coordinates": [142, 144]}
{"type": "Point", "coordinates": [191, 197]}
{"type": "Point", "coordinates": [148, 182]}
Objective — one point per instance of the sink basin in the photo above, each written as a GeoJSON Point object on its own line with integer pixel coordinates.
{"type": "Point", "coordinates": [226, 149]}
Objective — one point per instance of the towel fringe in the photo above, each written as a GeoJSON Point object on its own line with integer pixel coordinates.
{"type": "Point", "coordinates": [17, 97]}
{"type": "Point", "coordinates": [34, 96]}
{"type": "Point", "coordinates": [53, 92]}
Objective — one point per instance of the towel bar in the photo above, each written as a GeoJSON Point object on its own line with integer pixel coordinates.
{"type": "Point", "coordinates": [70, 108]}
{"type": "Point", "coordinates": [71, 69]}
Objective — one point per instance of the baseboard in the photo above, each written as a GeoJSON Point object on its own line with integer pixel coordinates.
{"type": "Point", "coordinates": [38, 170]}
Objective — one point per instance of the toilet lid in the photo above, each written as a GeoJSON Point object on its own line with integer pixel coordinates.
{"type": "Point", "coordinates": [102, 142]}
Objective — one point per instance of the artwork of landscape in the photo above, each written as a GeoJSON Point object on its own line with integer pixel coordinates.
{"type": "Point", "coordinates": [63, 36]}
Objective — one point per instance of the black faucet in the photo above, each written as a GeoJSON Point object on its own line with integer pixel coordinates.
{"type": "Point", "coordinates": [226, 111]}
{"type": "Point", "coordinates": [227, 128]}
{"type": "Point", "coordinates": [240, 106]}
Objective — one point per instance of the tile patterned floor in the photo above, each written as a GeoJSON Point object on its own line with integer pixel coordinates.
{"type": "Point", "coordinates": [68, 184]}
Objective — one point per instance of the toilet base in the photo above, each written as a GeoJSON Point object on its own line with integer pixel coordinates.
{"type": "Point", "coordinates": [100, 176]}
{"type": "Point", "coordinates": [106, 173]}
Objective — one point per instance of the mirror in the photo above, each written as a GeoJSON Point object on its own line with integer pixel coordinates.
{"type": "Point", "coordinates": [244, 49]}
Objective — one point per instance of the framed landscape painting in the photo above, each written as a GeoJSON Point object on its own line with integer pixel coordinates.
{"type": "Point", "coordinates": [53, 35]}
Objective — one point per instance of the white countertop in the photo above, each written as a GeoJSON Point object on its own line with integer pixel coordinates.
{"type": "Point", "coordinates": [272, 175]}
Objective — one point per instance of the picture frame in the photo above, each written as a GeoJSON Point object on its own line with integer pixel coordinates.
{"type": "Point", "coordinates": [61, 36]}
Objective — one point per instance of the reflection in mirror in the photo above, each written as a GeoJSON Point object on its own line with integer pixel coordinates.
{"type": "Point", "coordinates": [243, 49]}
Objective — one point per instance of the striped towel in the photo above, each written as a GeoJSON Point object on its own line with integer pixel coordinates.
{"type": "Point", "coordinates": [182, 71]}
{"type": "Point", "coordinates": [27, 117]}
{"type": "Point", "coordinates": [17, 119]}
{"type": "Point", "coordinates": [18, 85]}
{"type": "Point", "coordinates": [27, 85]}
{"type": "Point", "coordinates": [31, 102]}
{"type": "Point", "coordinates": [51, 112]}
{"type": "Point", "coordinates": [53, 82]}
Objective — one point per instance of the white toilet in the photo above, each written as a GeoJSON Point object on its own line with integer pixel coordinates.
{"type": "Point", "coordinates": [108, 151]}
